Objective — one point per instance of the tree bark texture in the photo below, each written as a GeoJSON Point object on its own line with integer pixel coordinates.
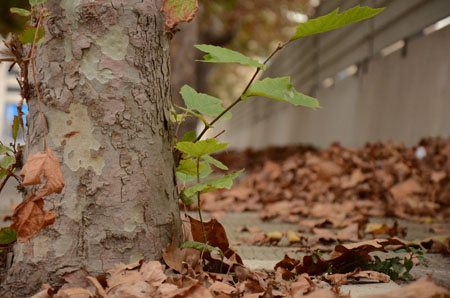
{"type": "Point", "coordinates": [103, 72]}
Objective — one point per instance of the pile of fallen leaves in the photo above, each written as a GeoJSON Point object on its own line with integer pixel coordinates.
{"type": "Point", "coordinates": [381, 179]}
{"type": "Point", "coordinates": [189, 274]}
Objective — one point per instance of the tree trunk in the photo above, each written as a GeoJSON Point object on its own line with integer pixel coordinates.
{"type": "Point", "coordinates": [103, 72]}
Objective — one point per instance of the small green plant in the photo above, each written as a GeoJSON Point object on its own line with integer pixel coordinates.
{"type": "Point", "coordinates": [397, 267]}
{"type": "Point", "coordinates": [196, 162]}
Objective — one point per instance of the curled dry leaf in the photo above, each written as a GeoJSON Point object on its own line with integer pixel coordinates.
{"type": "Point", "coordinates": [341, 279]}
{"type": "Point", "coordinates": [179, 11]}
{"type": "Point", "coordinates": [43, 163]}
{"type": "Point", "coordinates": [73, 293]}
{"type": "Point", "coordinates": [175, 257]}
{"type": "Point", "coordinates": [30, 217]}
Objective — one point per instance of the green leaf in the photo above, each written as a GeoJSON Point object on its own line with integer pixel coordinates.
{"type": "Point", "coordinates": [226, 181]}
{"type": "Point", "coordinates": [15, 127]}
{"type": "Point", "coordinates": [7, 236]}
{"type": "Point", "coordinates": [189, 167]}
{"type": "Point", "coordinates": [36, 2]}
{"type": "Point", "coordinates": [7, 161]}
{"type": "Point", "coordinates": [223, 55]}
{"type": "Point", "coordinates": [333, 20]}
{"type": "Point", "coordinates": [200, 148]}
{"type": "Point", "coordinates": [199, 116]}
{"type": "Point", "coordinates": [408, 264]}
{"type": "Point", "coordinates": [203, 103]}
{"type": "Point", "coordinates": [187, 200]}
{"type": "Point", "coordinates": [187, 178]}
{"type": "Point", "coordinates": [4, 149]}
{"type": "Point", "coordinates": [190, 136]}
{"type": "Point", "coordinates": [174, 117]}
{"type": "Point", "coordinates": [20, 11]}
{"type": "Point", "coordinates": [27, 36]}
{"type": "Point", "coordinates": [280, 89]}
{"type": "Point", "coordinates": [201, 247]}
{"type": "Point", "coordinates": [3, 173]}
{"type": "Point", "coordinates": [215, 162]}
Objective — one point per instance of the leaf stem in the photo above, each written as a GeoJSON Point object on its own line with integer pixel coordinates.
{"type": "Point", "coordinates": [33, 70]}
{"type": "Point", "coordinates": [205, 239]}
{"type": "Point", "coordinates": [277, 49]}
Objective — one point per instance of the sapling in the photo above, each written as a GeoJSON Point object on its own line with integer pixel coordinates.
{"type": "Point", "coordinates": [196, 162]}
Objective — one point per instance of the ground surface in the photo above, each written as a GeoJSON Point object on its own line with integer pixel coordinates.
{"type": "Point", "coordinates": [265, 257]}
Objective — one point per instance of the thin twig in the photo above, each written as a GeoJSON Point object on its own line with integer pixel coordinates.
{"type": "Point", "coordinates": [278, 48]}
{"type": "Point", "coordinates": [33, 69]}
{"type": "Point", "coordinates": [205, 239]}
{"type": "Point", "coordinates": [4, 182]}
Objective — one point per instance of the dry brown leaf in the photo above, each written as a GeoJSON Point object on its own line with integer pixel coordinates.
{"type": "Point", "coordinates": [179, 11]}
{"type": "Point", "coordinates": [302, 286]}
{"type": "Point", "coordinates": [221, 287]}
{"type": "Point", "coordinates": [73, 293]}
{"type": "Point", "coordinates": [341, 279]}
{"type": "Point", "coordinates": [30, 217]}
{"type": "Point", "coordinates": [175, 257]}
{"type": "Point", "coordinates": [100, 291]}
{"type": "Point", "coordinates": [422, 288]}
{"type": "Point", "coordinates": [350, 233]}
{"type": "Point", "coordinates": [153, 273]}
{"type": "Point", "coordinates": [405, 189]}
{"type": "Point", "coordinates": [47, 164]}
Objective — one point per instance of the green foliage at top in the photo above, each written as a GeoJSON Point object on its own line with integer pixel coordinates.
{"type": "Point", "coordinates": [333, 20]}
{"type": "Point", "coordinates": [37, 2]}
{"type": "Point", "coordinates": [27, 35]}
{"type": "Point", "coordinates": [281, 89]}
{"type": "Point", "coordinates": [20, 11]}
{"type": "Point", "coordinates": [222, 55]}
{"type": "Point", "coordinates": [203, 103]}
{"type": "Point", "coordinates": [200, 148]}
{"type": "Point", "coordinates": [226, 181]}
{"type": "Point", "coordinates": [4, 149]}
{"type": "Point", "coordinates": [7, 236]}
{"type": "Point", "coordinates": [15, 127]}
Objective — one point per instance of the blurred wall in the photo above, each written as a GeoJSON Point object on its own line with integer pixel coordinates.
{"type": "Point", "coordinates": [387, 78]}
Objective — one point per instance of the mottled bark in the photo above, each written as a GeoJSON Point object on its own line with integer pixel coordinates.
{"type": "Point", "coordinates": [104, 75]}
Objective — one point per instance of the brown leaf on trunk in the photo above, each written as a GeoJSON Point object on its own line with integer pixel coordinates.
{"type": "Point", "coordinates": [43, 163]}
{"type": "Point", "coordinates": [30, 217]}
{"type": "Point", "coordinates": [178, 11]}
{"type": "Point", "coordinates": [422, 288]}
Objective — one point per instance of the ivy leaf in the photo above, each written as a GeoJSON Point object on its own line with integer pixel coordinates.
{"type": "Point", "coordinates": [178, 11]}
{"type": "Point", "coordinates": [215, 162]}
{"type": "Point", "coordinates": [7, 236]}
{"type": "Point", "coordinates": [226, 181]}
{"type": "Point", "coordinates": [4, 149]}
{"type": "Point", "coordinates": [27, 36]}
{"type": "Point", "coordinates": [187, 178]}
{"type": "Point", "coordinates": [333, 20]}
{"type": "Point", "coordinates": [203, 103]}
{"type": "Point", "coordinates": [7, 162]}
{"type": "Point", "coordinates": [189, 167]}
{"type": "Point", "coordinates": [36, 2]}
{"type": "Point", "coordinates": [15, 127]}
{"type": "Point", "coordinates": [190, 136]}
{"type": "Point", "coordinates": [200, 148]}
{"type": "Point", "coordinates": [281, 89]}
{"type": "Point", "coordinates": [222, 55]}
{"type": "Point", "coordinates": [201, 247]}
{"type": "Point", "coordinates": [20, 11]}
